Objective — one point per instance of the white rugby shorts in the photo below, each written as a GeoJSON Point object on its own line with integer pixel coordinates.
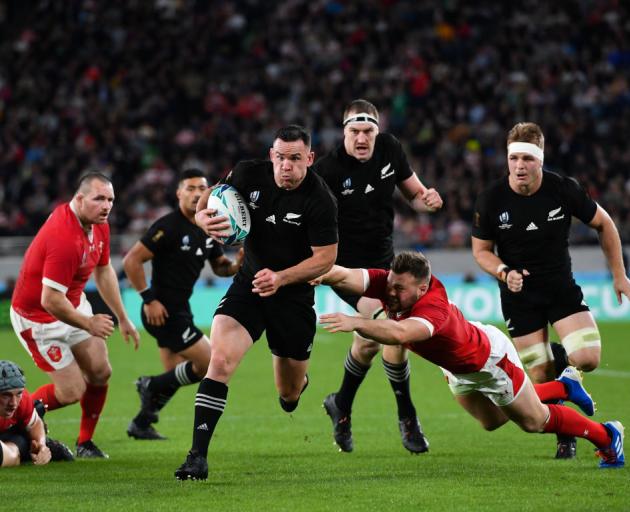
{"type": "Point", "coordinates": [50, 344]}
{"type": "Point", "coordinates": [502, 377]}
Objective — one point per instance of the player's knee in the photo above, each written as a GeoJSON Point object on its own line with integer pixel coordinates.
{"type": "Point", "coordinates": [9, 455]}
{"type": "Point", "coordinates": [222, 365]}
{"type": "Point", "coordinates": [200, 368]}
{"type": "Point", "coordinates": [101, 374]}
{"type": "Point", "coordinates": [67, 395]}
{"type": "Point", "coordinates": [531, 425]}
{"type": "Point", "coordinates": [584, 348]}
{"type": "Point", "coordinates": [586, 365]}
{"type": "Point", "coordinates": [491, 425]}
{"type": "Point", "coordinates": [365, 350]}
{"type": "Point", "coordinates": [538, 361]}
{"type": "Point", "coordinates": [290, 391]}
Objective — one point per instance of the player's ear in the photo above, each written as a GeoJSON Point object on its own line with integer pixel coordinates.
{"type": "Point", "coordinates": [310, 158]}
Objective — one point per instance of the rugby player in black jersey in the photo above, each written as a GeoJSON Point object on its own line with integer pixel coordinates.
{"type": "Point", "coordinates": [178, 250]}
{"type": "Point", "coordinates": [292, 240]}
{"type": "Point", "coordinates": [520, 235]}
{"type": "Point", "coordinates": [363, 173]}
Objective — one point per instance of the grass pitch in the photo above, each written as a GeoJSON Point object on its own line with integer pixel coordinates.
{"type": "Point", "coordinates": [264, 459]}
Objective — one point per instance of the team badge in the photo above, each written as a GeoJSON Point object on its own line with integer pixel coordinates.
{"type": "Point", "coordinates": [387, 171]}
{"type": "Point", "coordinates": [347, 190]}
{"type": "Point", "coordinates": [504, 219]}
{"type": "Point", "coordinates": [54, 353]}
{"type": "Point", "coordinates": [253, 197]}
{"type": "Point", "coordinates": [185, 243]}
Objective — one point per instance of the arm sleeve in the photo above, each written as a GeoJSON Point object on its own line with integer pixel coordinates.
{"type": "Point", "coordinates": [582, 206]}
{"type": "Point", "coordinates": [377, 285]}
{"type": "Point", "coordinates": [158, 237]}
{"type": "Point", "coordinates": [61, 263]}
{"type": "Point", "coordinates": [399, 157]}
{"type": "Point", "coordinates": [481, 226]}
{"type": "Point", "coordinates": [322, 220]}
{"type": "Point", "coordinates": [104, 259]}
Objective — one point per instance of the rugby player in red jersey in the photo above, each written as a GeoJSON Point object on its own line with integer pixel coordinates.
{"type": "Point", "coordinates": [479, 361]}
{"type": "Point", "coordinates": [51, 315]}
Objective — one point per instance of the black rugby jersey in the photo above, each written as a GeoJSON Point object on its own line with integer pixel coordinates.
{"type": "Point", "coordinates": [284, 223]}
{"type": "Point", "coordinates": [180, 251]}
{"type": "Point", "coordinates": [532, 232]}
{"type": "Point", "coordinates": [364, 193]}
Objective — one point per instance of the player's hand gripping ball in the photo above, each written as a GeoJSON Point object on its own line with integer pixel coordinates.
{"type": "Point", "coordinates": [229, 203]}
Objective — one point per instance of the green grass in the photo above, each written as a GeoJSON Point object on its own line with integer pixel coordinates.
{"type": "Point", "coordinates": [263, 459]}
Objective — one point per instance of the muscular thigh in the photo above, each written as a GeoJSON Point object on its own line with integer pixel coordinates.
{"type": "Point", "coordinates": [244, 307]}
{"type": "Point", "coordinates": [91, 356]}
{"type": "Point", "coordinates": [230, 341]}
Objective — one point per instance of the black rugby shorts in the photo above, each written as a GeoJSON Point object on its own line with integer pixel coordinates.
{"type": "Point", "coordinates": [178, 332]}
{"type": "Point", "coordinates": [289, 319]}
{"type": "Point", "coordinates": [536, 306]}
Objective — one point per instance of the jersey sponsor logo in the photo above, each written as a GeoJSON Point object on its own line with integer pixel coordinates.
{"type": "Point", "coordinates": [531, 227]}
{"type": "Point", "coordinates": [293, 218]}
{"type": "Point", "coordinates": [553, 215]}
{"type": "Point", "coordinates": [369, 188]}
{"type": "Point", "coordinates": [253, 197]}
{"type": "Point", "coordinates": [185, 243]}
{"type": "Point", "coordinates": [199, 252]}
{"type": "Point", "coordinates": [203, 426]}
{"type": "Point", "coordinates": [54, 353]}
{"type": "Point", "coordinates": [347, 190]}
{"type": "Point", "coordinates": [387, 171]}
{"type": "Point", "coordinates": [271, 218]}
{"type": "Point", "coordinates": [187, 335]}
{"type": "Point", "coordinates": [504, 219]}
{"type": "Point", "coordinates": [209, 243]}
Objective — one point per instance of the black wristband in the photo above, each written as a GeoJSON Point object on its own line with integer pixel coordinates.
{"type": "Point", "coordinates": [507, 270]}
{"type": "Point", "coordinates": [147, 295]}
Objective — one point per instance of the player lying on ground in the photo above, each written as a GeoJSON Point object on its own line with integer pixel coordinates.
{"type": "Point", "coordinates": [479, 361]}
{"type": "Point", "coordinates": [22, 432]}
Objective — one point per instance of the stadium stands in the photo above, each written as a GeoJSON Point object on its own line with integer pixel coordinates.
{"type": "Point", "coordinates": [143, 89]}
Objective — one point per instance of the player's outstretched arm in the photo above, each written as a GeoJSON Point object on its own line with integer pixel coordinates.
{"type": "Point", "coordinates": [349, 280]}
{"type": "Point", "coordinates": [611, 246]}
{"type": "Point", "coordinates": [107, 285]}
{"type": "Point", "coordinates": [385, 332]}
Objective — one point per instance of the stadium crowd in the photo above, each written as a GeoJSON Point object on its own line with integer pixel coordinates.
{"type": "Point", "coordinates": [142, 90]}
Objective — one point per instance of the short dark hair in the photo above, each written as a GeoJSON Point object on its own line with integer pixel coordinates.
{"type": "Point", "coordinates": [293, 132]}
{"type": "Point", "coordinates": [187, 174]}
{"type": "Point", "coordinates": [527, 132]}
{"type": "Point", "coordinates": [89, 176]}
{"type": "Point", "coordinates": [415, 263]}
{"type": "Point", "coordinates": [361, 106]}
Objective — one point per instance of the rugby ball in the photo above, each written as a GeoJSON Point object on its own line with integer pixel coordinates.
{"type": "Point", "coordinates": [229, 203]}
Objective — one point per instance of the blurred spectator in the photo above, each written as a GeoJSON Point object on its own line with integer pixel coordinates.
{"type": "Point", "coordinates": [143, 89]}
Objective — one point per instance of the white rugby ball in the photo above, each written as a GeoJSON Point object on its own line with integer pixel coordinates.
{"type": "Point", "coordinates": [229, 203]}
